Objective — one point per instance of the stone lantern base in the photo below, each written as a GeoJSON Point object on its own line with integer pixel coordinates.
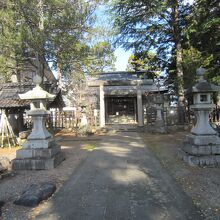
{"type": "Point", "coordinates": [38, 158]}
{"type": "Point", "coordinates": [201, 150]}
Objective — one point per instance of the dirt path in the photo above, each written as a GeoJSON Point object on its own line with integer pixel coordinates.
{"type": "Point", "coordinates": [121, 179]}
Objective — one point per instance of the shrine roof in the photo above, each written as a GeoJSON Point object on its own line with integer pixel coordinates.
{"type": "Point", "coordinates": [123, 75]}
{"type": "Point", "coordinates": [118, 76]}
{"type": "Point", "coordinates": [122, 78]}
{"type": "Point", "coordinates": [9, 95]}
{"type": "Point", "coordinates": [13, 103]}
{"type": "Point", "coordinates": [124, 82]}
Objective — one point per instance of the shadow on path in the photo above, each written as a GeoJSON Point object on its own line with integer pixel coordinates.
{"type": "Point", "coordinates": [121, 179]}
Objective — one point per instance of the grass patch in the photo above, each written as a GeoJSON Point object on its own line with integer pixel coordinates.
{"type": "Point", "coordinates": [89, 147]}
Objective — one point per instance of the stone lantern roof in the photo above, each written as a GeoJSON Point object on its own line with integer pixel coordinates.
{"type": "Point", "coordinates": [203, 86]}
{"type": "Point", "coordinates": [37, 93]}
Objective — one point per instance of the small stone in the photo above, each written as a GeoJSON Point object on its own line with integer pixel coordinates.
{"type": "Point", "coordinates": [4, 164]}
{"type": "Point", "coordinates": [24, 134]}
{"type": "Point", "coordinates": [35, 193]}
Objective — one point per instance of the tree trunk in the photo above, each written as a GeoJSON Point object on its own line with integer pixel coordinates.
{"type": "Point", "coordinates": [59, 74]}
{"type": "Point", "coordinates": [40, 65]}
{"type": "Point", "coordinates": [178, 60]}
{"type": "Point", "coordinates": [40, 54]}
{"type": "Point", "coordinates": [41, 14]}
{"type": "Point", "coordinates": [181, 97]}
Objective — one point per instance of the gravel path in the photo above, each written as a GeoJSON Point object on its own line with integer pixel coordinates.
{"type": "Point", "coordinates": [11, 188]}
{"type": "Point", "coordinates": [121, 179]}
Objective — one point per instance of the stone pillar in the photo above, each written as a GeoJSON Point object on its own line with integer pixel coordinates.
{"type": "Point", "coordinates": [159, 123]}
{"type": "Point", "coordinates": [159, 117]}
{"type": "Point", "coordinates": [102, 106]}
{"type": "Point", "coordinates": [140, 108]}
{"type": "Point", "coordinates": [39, 136]}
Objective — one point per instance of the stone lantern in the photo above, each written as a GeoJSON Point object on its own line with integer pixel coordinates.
{"type": "Point", "coordinates": [202, 145]}
{"type": "Point", "coordinates": [40, 151]}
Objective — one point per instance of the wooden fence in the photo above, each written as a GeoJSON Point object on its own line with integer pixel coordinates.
{"type": "Point", "coordinates": [71, 119]}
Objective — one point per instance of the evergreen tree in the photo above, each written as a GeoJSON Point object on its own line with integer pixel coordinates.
{"type": "Point", "coordinates": [146, 25]}
{"type": "Point", "coordinates": [146, 60]}
{"type": "Point", "coordinates": [203, 34]}
{"type": "Point", "coordinates": [10, 41]}
{"type": "Point", "coordinates": [48, 29]}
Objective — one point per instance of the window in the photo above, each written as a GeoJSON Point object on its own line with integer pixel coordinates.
{"type": "Point", "coordinates": [203, 98]}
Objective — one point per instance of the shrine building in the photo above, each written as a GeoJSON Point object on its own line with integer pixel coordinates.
{"type": "Point", "coordinates": [122, 96]}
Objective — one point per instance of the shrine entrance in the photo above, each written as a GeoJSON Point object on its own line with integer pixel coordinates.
{"type": "Point", "coordinates": [121, 110]}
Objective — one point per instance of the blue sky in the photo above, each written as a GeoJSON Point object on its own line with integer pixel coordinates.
{"type": "Point", "coordinates": [122, 59]}
{"type": "Point", "coordinates": [104, 20]}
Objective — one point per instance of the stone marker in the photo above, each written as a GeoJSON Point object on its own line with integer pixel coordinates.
{"type": "Point", "coordinates": [35, 193]}
{"type": "Point", "coordinates": [40, 151]}
{"type": "Point", "coordinates": [159, 125]}
{"type": "Point", "coordinates": [202, 146]}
